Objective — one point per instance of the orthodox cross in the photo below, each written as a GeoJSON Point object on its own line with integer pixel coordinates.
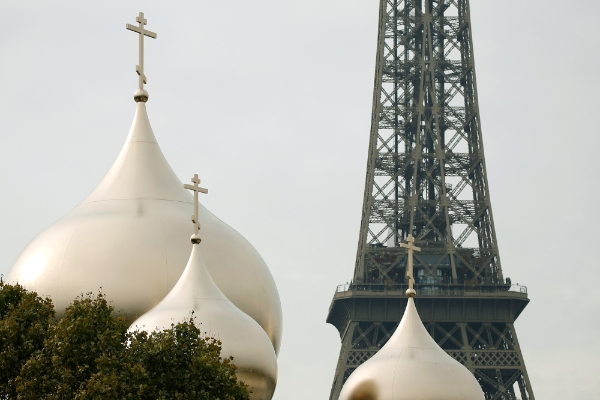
{"type": "Point", "coordinates": [195, 188]}
{"type": "Point", "coordinates": [410, 245]}
{"type": "Point", "coordinates": [142, 32]}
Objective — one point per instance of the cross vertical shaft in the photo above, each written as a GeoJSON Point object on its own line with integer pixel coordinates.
{"type": "Point", "coordinates": [142, 32]}
{"type": "Point", "coordinates": [410, 246]}
{"type": "Point", "coordinates": [140, 68]}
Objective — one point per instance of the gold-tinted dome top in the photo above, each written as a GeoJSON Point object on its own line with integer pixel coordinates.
{"type": "Point", "coordinates": [217, 317]}
{"type": "Point", "coordinates": [130, 236]}
{"type": "Point", "coordinates": [411, 366]}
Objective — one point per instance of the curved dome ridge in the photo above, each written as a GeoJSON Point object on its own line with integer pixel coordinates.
{"type": "Point", "coordinates": [411, 366]}
{"type": "Point", "coordinates": [215, 315]}
{"type": "Point", "coordinates": [64, 252]}
{"type": "Point", "coordinates": [411, 332]}
{"type": "Point", "coordinates": [141, 129]}
{"type": "Point", "coordinates": [195, 282]}
{"type": "Point", "coordinates": [141, 170]}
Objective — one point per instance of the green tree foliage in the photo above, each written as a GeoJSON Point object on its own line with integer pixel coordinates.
{"type": "Point", "coordinates": [89, 354]}
{"type": "Point", "coordinates": [24, 322]}
{"type": "Point", "coordinates": [174, 364]}
{"type": "Point", "coordinates": [88, 331]}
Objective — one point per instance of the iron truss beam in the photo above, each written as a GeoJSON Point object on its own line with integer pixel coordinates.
{"type": "Point", "coordinates": [426, 135]}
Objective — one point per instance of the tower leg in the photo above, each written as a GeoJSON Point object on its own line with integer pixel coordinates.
{"type": "Point", "coordinates": [342, 366]}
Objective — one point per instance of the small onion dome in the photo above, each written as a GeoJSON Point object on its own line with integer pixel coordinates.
{"type": "Point", "coordinates": [130, 237]}
{"type": "Point", "coordinates": [217, 317]}
{"type": "Point", "coordinates": [412, 366]}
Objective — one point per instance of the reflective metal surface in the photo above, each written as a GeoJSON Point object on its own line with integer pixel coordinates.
{"type": "Point", "coordinates": [130, 236]}
{"type": "Point", "coordinates": [217, 317]}
{"type": "Point", "coordinates": [411, 366]}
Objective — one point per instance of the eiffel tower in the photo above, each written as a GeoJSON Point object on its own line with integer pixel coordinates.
{"type": "Point", "coordinates": [426, 170]}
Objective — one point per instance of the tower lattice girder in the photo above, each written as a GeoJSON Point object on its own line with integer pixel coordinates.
{"type": "Point", "coordinates": [426, 176]}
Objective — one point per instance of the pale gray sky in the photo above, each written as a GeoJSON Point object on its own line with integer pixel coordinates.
{"type": "Point", "coordinates": [270, 101]}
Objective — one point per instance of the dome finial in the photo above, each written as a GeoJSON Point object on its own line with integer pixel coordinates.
{"type": "Point", "coordinates": [410, 245]}
{"type": "Point", "coordinates": [195, 188]}
{"type": "Point", "coordinates": [141, 95]}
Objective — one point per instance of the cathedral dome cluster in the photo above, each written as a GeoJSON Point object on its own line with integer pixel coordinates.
{"type": "Point", "coordinates": [130, 237]}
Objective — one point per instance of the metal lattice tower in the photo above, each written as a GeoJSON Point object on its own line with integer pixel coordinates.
{"type": "Point", "coordinates": [426, 175]}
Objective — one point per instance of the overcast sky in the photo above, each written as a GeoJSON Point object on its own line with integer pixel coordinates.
{"type": "Point", "coordinates": [270, 102]}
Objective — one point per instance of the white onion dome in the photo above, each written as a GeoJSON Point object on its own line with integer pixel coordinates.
{"type": "Point", "coordinates": [241, 337]}
{"type": "Point", "coordinates": [412, 366]}
{"type": "Point", "coordinates": [130, 237]}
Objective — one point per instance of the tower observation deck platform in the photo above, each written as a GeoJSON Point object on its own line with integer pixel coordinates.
{"type": "Point", "coordinates": [472, 323]}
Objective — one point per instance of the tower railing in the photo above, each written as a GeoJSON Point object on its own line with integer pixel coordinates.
{"type": "Point", "coordinates": [436, 289]}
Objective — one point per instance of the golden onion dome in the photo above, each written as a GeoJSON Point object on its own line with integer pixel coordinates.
{"type": "Point", "coordinates": [242, 338]}
{"type": "Point", "coordinates": [412, 366]}
{"type": "Point", "coordinates": [130, 238]}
